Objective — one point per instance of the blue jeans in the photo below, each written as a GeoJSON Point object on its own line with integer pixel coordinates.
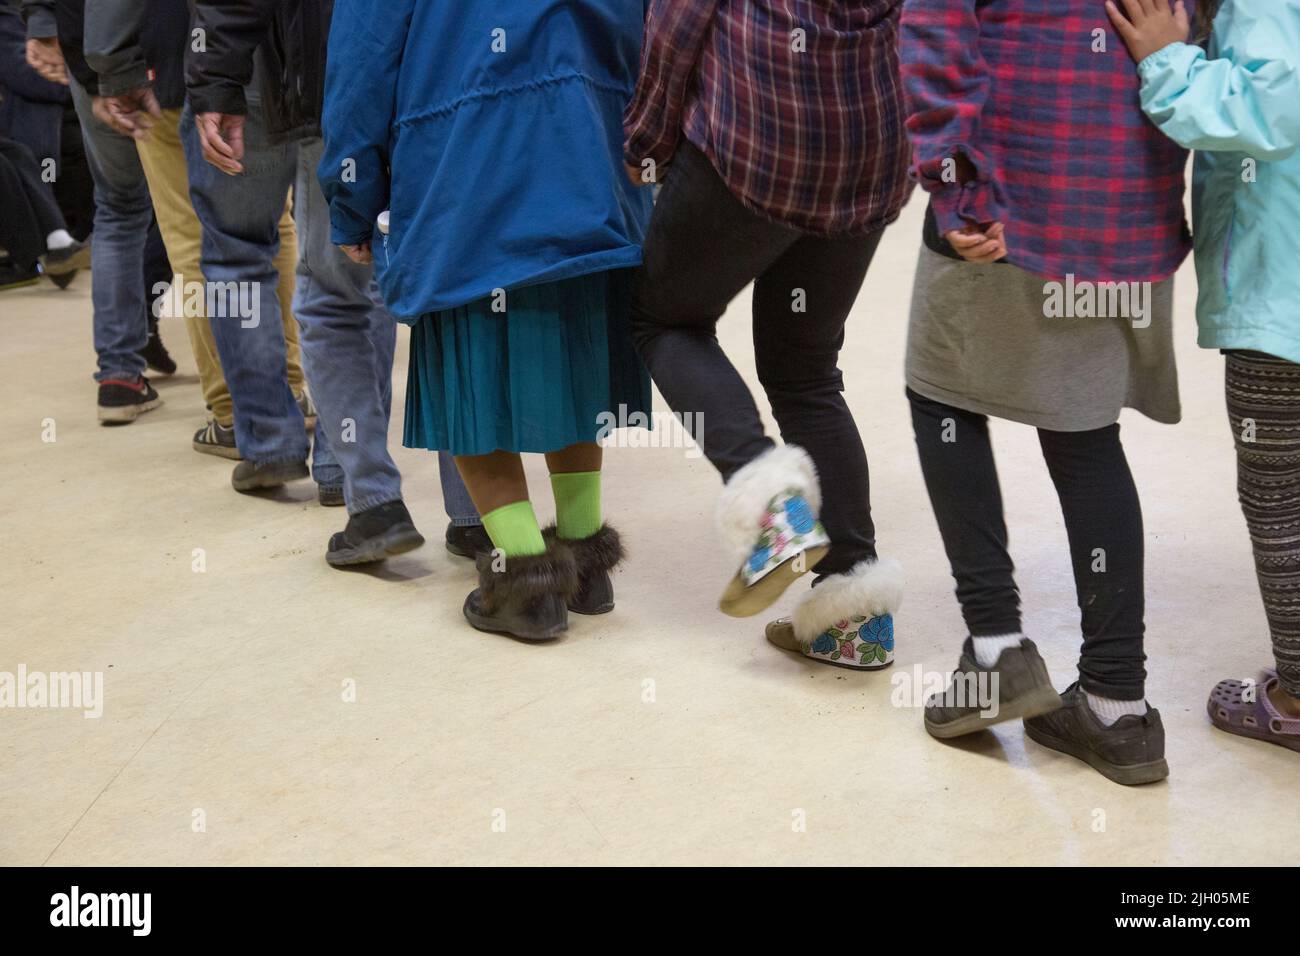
{"type": "Point", "coordinates": [240, 217]}
{"type": "Point", "coordinates": [348, 338]}
{"type": "Point", "coordinates": [455, 496]}
{"type": "Point", "coordinates": [123, 213]}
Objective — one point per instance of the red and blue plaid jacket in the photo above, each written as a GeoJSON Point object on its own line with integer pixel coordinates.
{"type": "Point", "coordinates": [796, 103]}
{"type": "Point", "coordinates": [1042, 97]}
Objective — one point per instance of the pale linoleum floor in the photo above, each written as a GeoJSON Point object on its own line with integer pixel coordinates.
{"type": "Point", "coordinates": [661, 733]}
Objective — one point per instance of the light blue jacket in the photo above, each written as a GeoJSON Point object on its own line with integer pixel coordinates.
{"type": "Point", "coordinates": [1239, 108]}
{"type": "Point", "coordinates": [492, 131]}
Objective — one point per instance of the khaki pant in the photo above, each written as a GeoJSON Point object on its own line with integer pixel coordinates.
{"type": "Point", "coordinates": [163, 160]}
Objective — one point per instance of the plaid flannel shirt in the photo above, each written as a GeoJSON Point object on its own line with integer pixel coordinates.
{"type": "Point", "coordinates": [1041, 97]}
{"type": "Point", "coordinates": [797, 104]}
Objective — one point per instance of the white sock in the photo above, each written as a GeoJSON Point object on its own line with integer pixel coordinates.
{"type": "Point", "coordinates": [989, 649]}
{"type": "Point", "coordinates": [1108, 711]}
{"type": "Point", "coordinates": [58, 239]}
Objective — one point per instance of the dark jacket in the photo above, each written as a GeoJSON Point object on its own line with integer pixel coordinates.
{"type": "Point", "coordinates": [285, 40]}
{"type": "Point", "coordinates": [31, 107]}
{"type": "Point", "coordinates": [126, 44]}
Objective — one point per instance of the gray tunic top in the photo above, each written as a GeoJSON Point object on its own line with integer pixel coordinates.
{"type": "Point", "coordinates": [1063, 356]}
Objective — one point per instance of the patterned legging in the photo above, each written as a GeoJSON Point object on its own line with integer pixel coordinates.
{"type": "Point", "coordinates": [1263, 395]}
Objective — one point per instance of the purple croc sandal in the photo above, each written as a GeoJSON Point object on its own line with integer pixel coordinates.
{"type": "Point", "coordinates": [1256, 718]}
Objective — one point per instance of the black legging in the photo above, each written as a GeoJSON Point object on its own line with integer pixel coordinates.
{"type": "Point", "coordinates": [1103, 520]}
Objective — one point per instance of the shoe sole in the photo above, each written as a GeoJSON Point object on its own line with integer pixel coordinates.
{"type": "Point", "coordinates": [391, 543]}
{"type": "Point", "coordinates": [1130, 775]}
{"type": "Point", "coordinates": [263, 481]}
{"type": "Point", "coordinates": [221, 451]}
{"type": "Point", "coordinates": [488, 626]}
{"type": "Point", "coordinates": [592, 612]}
{"type": "Point", "coordinates": [1041, 700]}
{"type": "Point", "coordinates": [126, 414]}
{"type": "Point", "coordinates": [741, 600]}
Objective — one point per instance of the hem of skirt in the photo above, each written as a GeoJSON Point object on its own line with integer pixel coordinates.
{"type": "Point", "coordinates": [526, 448]}
{"type": "Point", "coordinates": [1049, 423]}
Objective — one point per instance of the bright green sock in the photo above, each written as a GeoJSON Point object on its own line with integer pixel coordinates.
{"type": "Point", "coordinates": [514, 529]}
{"type": "Point", "coordinates": [577, 504]}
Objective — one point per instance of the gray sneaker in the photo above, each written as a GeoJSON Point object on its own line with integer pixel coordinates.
{"type": "Point", "coordinates": [215, 438]}
{"type": "Point", "coordinates": [979, 697]}
{"type": "Point", "coordinates": [1130, 751]}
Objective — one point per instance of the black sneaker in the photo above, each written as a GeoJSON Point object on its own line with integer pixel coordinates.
{"type": "Point", "coordinates": [1019, 679]}
{"type": "Point", "coordinates": [1130, 751]}
{"type": "Point", "coordinates": [468, 541]}
{"type": "Point", "coordinates": [330, 496]}
{"type": "Point", "coordinates": [253, 476]}
{"type": "Point", "coordinates": [156, 356]}
{"type": "Point", "coordinates": [374, 534]}
{"type": "Point", "coordinates": [217, 439]}
{"type": "Point", "coordinates": [122, 402]}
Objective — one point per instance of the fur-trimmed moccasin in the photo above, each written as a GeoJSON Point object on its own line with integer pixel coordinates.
{"type": "Point", "coordinates": [767, 516]}
{"type": "Point", "coordinates": [525, 597]}
{"type": "Point", "coordinates": [594, 558]}
{"type": "Point", "coordinates": [848, 619]}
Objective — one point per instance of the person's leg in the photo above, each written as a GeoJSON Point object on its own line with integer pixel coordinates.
{"type": "Point", "coordinates": [962, 481]}
{"type": "Point", "coordinates": [800, 306]}
{"type": "Point", "coordinates": [240, 218]}
{"type": "Point", "coordinates": [348, 339]}
{"type": "Point", "coordinates": [1263, 398]}
{"type": "Point", "coordinates": [525, 583]}
{"type": "Point", "coordinates": [157, 277]}
{"type": "Point", "coordinates": [702, 249]}
{"type": "Point", "coordinates": [1103, 719]}
{"type": "Point", "coordinates": [455, 496]}
{"type": "Point", "coordinates": [1000, 675]}
{"type": "Point", "coordinates": [21, 236]}
{"type": "Point", "coordinates": [163, 157]}
{"type": "Point", "coordinates": [1103, 520]}
{"type": "Point", "coordinates": [123, 212]}
{"type": "Point", "coordinates": [286, 264]}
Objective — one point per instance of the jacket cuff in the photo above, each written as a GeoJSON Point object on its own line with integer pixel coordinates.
{"type": "Point", "coordinates": [131, 77]}
{"type": "Point", "coordinates": [1167, 56]}
{"type": "Point", "coordinates": [973, 203]}
{"type": "Point", "coordinates": [218, 99]}
{"type": "Point", "coordinates": [41, 24]}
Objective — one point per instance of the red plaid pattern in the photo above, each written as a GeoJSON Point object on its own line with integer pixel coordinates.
{"type": "Point", "coordinates": [1042, 98]}
{"type": "Point", "coordinates": [797, 103]}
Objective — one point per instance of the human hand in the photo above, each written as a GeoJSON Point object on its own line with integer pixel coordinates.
{"type": "Point", "coordinates": [132, 113]}
{"type": "Point", "coordinates": [222, 136]}
{"type": "Point", "coordinates": [359, 253]}
{"type": "Point", "coordinates": [1151, 25]}
{"type": "Point", "coordinates": [979, 244]}
{"type": "Point", "coordinates": [45, 56]}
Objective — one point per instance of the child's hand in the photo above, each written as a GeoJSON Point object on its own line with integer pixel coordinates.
{"type": "Point", "coordinates": [974, 244]}
{"type": "Point", "coordinates": [1151, 25]}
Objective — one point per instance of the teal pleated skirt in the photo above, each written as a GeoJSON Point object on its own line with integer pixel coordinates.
{"type": "Point", "coordinates": [541, 375]}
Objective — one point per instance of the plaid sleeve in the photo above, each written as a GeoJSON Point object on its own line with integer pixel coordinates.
{"type": "Point", "coordinates": [946, 82]}
{"type": "Point", "coordinates": [675, 34]}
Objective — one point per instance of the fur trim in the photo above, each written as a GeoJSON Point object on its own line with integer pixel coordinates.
{"type": "Point", "coordinates": [603, 551]}
{"type": "Point", "coordinates": [870, 588]}
{"type": "Point", "coordinates": [525, 578]}
{"type": "Point", "coordinates": [745, 497]}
